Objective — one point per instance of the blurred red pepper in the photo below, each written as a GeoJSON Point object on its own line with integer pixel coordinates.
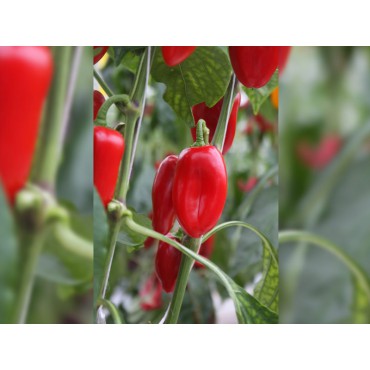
{"type": "Point", "coordinates": [163, 209]}
{"type": "Point", "coordinates": [317, 157]}
{"type": "Point", "coordinates": [25, 76]}
{"type": "Point", "coordinates": [248, 185]}
{"type": "Point", "coordinates": [254, 65]}
{"type": "Point", "coordinates": [109, 147]}
{"type": "Point", "coordinates": [211, 115]}
{"type": "Point", "coordinates": [206, 250]}
{"type": "Point", "coordinates": [99, 52]}
{"type": "Point", "coordinates": [151, 294]}
{"type": "Point", "coordinates": [167, 264]}
{"type": "Point", "coordinates": [199, 189]}
{"type": "Point", "coordinates": [98, 102]}
{"type": "Point", "coordinates": [174, 55]}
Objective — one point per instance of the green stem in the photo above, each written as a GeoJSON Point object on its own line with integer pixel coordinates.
{"type": "Point", "coordinates": [182, 281]}
{"type": "Point", "coordinates": [102, 83]}
{"type": "Point", "coordinates": [112, 310]}
{"type": "Point", "coordinates": [123, 101]}
{"type": "Point", "coordinates": [223, 120]}
{"type": "Point", "coordinates": [32, 244]}
{"type": "Point", "coordinates": [49, 149]}
{"type": "Point", "coordinates": [113, 233]}
{"type": "Point", "coordinates": [302, 236]}
{"type": "Point", "coordinates": [200, 130]}
{"type": "Point", "coordinates": [72, 242]}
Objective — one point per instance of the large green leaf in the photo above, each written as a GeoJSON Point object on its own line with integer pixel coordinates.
{"type": "Point", "coordinates": [100, 242]}
{"type": "Point", "coordinates": [203, 77]}
{"type": "Point", "coordinates": [8, 260]}
{"type": "Point", "coordinates": [258, 96]}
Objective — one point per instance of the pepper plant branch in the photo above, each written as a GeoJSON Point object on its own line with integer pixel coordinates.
{"type": "Point", "coordinates": [103, 84]}
{"type": "Point", "coordinates": [32, 244]}
{"type": "Point", "coordinates": [117, 318]}
{"type": "Point", "coordinates": [221, 129]}
{"type": "Point", "coordinates": [182, 281]}
{"type": "Point", "coordinates": [48, 150]}
{"type": "Point", "coordinates": [303, 236]}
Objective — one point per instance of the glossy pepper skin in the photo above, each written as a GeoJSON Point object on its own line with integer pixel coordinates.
{"type": "Point", "coordinates": [163, 209]}
{"type": "Point", "coordinates": [199, 189]}
{"type": "Point", "coordinates": [167, 264]}
{"type": "Point", "coordinates": [25, 76]}
{"type": "Point", "coordinates": [206, 250]}
{"type": "Point", "coordinates": [211, 115]}
{"type": "Point", "coordinates": [98, 102]}
{"type": "Point", "coordinates": [254, 65]}
{"type": "Point", "coordinates": [109, 147]}
{"type": "Point", "coordinates": [174, 55]}
{"type": "Point", "coordinates": [99, 52]}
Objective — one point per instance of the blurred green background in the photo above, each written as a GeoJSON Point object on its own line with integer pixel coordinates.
{"type": "Point", "coordinates": [324, 172]}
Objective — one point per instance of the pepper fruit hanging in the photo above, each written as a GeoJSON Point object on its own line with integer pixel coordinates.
{"type": "Point", "coordinates": [163, 209]}
{"type": "Point", "coordinates": [151, 294]}
{"type": "Point", "coordinates": [25, 76]}
{"type": "Point", "coordinates": [98, 102]}
{"type": "Point", "coordinates": [206, 250]}
{"type": "Point", "coordinates": [211, 115]}
{"type": "Point", "coordinates": [254, 65]}
{"type": "Point", "coordinates": [174, 55]}
{"type": "Point", "coordinates": [99, 52]}
{"type": "Point", "coordinates": [109, 147]}
{"type": "Point", "coordinates": [199, 188]}
{"type": "Point", "coordinates": [167, 264]}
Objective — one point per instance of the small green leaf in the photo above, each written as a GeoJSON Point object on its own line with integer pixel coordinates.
{"type": "Point", "coordinates": [258, 96]}
{"type": "Point", "coordinates": [100, 242]}
{"type": "Point", "coordinates": [8, 260]}
{"type": "Point", "coordinates": [203, 77]}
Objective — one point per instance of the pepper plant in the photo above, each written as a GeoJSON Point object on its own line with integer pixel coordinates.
{"type": "Point", "coordinates": [152, 94]}
{"type": "Point", "coordinates": [46, 249]}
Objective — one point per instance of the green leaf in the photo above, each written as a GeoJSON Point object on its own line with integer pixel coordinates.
{"type": "Point", "coordinates": [258, 96]}
{"type": "Point", "coordinates": [8, 260]}
{"type": "Point", "coordinates": [249, 310]}
{"type": "Point", "coordinates": [203, 77]}
{"type": "Point", "coordinates": [130, 239]}
{"type": "Point", "coordinates": [267, 289]}
{"type": "Point", "coordinates": [121, 51]}
{"type": "Point", "coordinates": [100, 241]}
{"type": "Point", "coordinates": [361, 305]}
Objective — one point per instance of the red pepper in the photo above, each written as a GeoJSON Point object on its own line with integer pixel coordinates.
{"type": "Point", "coordinates": [163, 209]}
{"type": "Point", "coordinates": [167, 264]}
{"type": "Point", "coordinates": [98, 102]}
{"type": "Point", "coordinates": [247, 185]}
{"type": "Point", "coordinates": [25, 75]}
{"type": "Point", "coordinates": [109, 146]}
{"type": "Point", "coordinates": [174, 55]}
{"type": "Point", "coordinates": [151, 294]}
{"type": "Point", "coordinates": [254, 65]}
{"type": "Point", "coordinates": [199, 189]}
{"type": "Point", "coordinates": [99, 52]}
{"type": "Point", "coordinates": [283, 57]}
{"type": "Point", "coordinates": [206, 250]}
{"type": "Point", "coordinates": [211, 115]}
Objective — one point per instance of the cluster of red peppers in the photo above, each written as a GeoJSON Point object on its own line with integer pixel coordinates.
{"type": "Point", "coordinates": [25, 76]}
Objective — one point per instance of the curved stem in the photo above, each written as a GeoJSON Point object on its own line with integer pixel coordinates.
{"type": "Point", "coordinates": [181, 282]}
{"type": "Point", "coordinates": [73, 242]}
{"type": "Point", "coordinates": [298, 236]}
{"type": "Point", "coordinates": [102, 83]}
{"type": "Point", "coordinates": [117, 318]}
{"type": "Point", "coordinates": [247, 226]}
{"type": "Point", "coordinates": [123, 101]}
{"type": "Point", "coordinates": [223, 120]}
{"type": "Point", "coordinates": [32, 244]}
